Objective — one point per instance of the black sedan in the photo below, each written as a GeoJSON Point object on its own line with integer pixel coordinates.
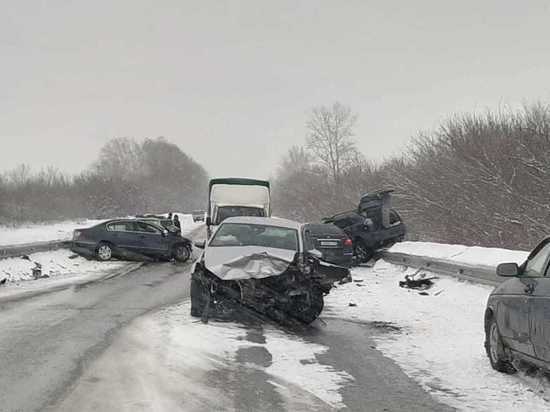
{"type": "Point", "coordinates": [331, 241]}
{"type": "Point", "coordinates": [517, 318]}
{"type": "Point", "coordinates": [131, 238]}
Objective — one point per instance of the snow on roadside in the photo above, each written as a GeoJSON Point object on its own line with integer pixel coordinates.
{"type": "Point", "coordinates": [473, 255]}
{"type": "Point", "coordinates": [32, 233]}
{"type": "Point", "coordinates": [440, 344]}
{"type": "Point", "coordinates": [54, 264]}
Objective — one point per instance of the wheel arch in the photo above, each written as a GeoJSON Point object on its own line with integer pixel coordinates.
{"type": "Point", "coordinates": [488, 317]}
{"type": "Point", "coordinates": [108, 242]}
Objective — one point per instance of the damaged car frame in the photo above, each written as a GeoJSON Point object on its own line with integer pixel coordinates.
{"type": "Point", "coordinates": [262, 264]}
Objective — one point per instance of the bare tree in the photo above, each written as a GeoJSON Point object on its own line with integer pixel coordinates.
{"type": "Point", "coordinates": [330, 138]}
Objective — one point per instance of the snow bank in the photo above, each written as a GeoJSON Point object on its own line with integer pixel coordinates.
{"type": "Point", "coordinates": [56, 263]}
{"type": "Point", "coordinates": [440, 344]}
{"type": "Point", "coordinates": [473, 255]}
{"type": "Point", "coordinates": [42, 232]}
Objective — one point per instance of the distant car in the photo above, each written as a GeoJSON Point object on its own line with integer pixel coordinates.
{"type": "Point", "coordinates": [517, 317]}
{"type": "Point", "coordinates": [198, 216]}
{"type": "Point", "coordinates": [162, 221]}
{"type": "Point", "coordinates": [131, 237]}
{"type": "Point", "coordinates": [372, 225]}
{"type": "Point", "coordinates": [368, 234]}
{"type": "Point", "coordinates": [331, 241]}
{"type": "Point", "coordinates": [261, 263]}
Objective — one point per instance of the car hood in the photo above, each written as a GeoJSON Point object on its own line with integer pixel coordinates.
{"type": "Point", "coordinates": [247, 262]}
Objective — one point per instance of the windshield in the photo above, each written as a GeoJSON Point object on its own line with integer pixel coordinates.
{"type": "Point", "coordinates": [241, 234]}
{"type": "Point", "coordinates": [231, 211]}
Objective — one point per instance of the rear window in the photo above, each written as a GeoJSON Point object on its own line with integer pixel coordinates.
{"type": "Point", "coordinates": [232, 211]}
{"type": "Point", "coordinates": [320, 230]}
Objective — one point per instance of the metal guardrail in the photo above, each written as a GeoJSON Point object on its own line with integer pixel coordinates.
{"type": "Point", "coordinates": [8, 251]}
{"type": "Point", "coordinates": [474, 273]}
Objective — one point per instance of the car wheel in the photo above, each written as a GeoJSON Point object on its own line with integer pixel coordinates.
{"type": "Point", "coordinates": [361, 252]}
{"type": "Point", "coordinates": [495, 350]}
{"type": "Point", "coordinates": [307, 310]}
{"type": "Point", "coordinates": [182, 253]}
{"type": "Point", "coordinates": [104, 251]}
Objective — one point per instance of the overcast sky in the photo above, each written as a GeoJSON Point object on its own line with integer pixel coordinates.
{"type": "Point", "coordinates": [232, 82]}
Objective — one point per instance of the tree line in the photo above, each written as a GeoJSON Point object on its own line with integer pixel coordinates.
{"type": "Point", "coordinates": [128, 178]}
{"type": "Point", "coordinates": [476, 180]}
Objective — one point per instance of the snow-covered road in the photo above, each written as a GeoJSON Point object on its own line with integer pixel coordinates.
{"type": "Point", "coordinates": [439, 341]}
{"type": "Point", "coordinates": [436, 339]}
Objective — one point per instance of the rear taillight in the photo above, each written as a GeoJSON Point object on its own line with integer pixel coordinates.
{"type": "Point", "coordinates": [348, 242]}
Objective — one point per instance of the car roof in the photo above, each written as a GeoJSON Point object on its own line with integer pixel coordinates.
{"type": "Point", "coordinates": [148, 220]}
{"type": "Point", "coordinates": [267, 221]}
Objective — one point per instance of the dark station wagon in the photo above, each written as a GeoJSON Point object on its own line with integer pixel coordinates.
{"type": "Point", "coordinates": [131, 238]}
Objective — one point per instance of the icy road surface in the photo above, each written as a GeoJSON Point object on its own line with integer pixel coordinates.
{"type": "Point", "coordinates": [129, 344]}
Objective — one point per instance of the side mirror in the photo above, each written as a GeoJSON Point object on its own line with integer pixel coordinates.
{"type": "Point", "coordinates": [208, 221]}
{"type": "Point", "coordinates": [200, 244]}
{"type": "Point", "coordinates": [508, 270]}
{"type": "Point", "coordinates": [315, 253]}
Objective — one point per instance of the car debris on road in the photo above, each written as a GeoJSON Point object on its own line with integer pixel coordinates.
{"type": "Point", "coordinates": [417, 281]}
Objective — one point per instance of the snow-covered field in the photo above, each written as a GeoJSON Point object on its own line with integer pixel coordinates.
{"type": "Point", "coordinates": [440, 343]}
{"type": "Point", "coordinates": [472, 255]}
{"type": "Point", "coordinates": [42, 232]}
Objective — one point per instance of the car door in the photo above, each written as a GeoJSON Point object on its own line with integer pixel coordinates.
{"type": "Point", "coordinates": [514, 305]}
{"type": "Point", "coordinates": [540, 307]}
{"type": "Point", "coordinates": [150, 239]}
{"type": "Point", "coordinates": [121, 234]}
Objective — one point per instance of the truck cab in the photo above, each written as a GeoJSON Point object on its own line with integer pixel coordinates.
{"type": "Point", "coordinates": [232, 197]}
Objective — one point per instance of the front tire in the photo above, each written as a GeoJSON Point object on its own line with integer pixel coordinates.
{"type": "Point", "coordinates": [104, 251]}
{"type": "Point", "coordinates": [307, 310]}
{"type": "Point", "coordinates": [495, 349]}
{"type": "Point", "coordinates": [182, 253]}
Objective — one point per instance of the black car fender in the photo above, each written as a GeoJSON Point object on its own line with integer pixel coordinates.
{"type": "Point", "coordinates": [183, 241]}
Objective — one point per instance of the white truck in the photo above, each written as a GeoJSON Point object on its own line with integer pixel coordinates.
{"type": "Point", "coordinates": [229, 197]}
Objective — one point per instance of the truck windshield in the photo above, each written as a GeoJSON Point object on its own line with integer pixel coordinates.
{"type": "Point", "coordinates": [231, 211]}
{"type": "Point", "coordinates": [241, 234]}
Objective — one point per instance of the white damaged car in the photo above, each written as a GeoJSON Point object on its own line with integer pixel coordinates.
{"type": "Point", "coordinates": [263, 264]}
